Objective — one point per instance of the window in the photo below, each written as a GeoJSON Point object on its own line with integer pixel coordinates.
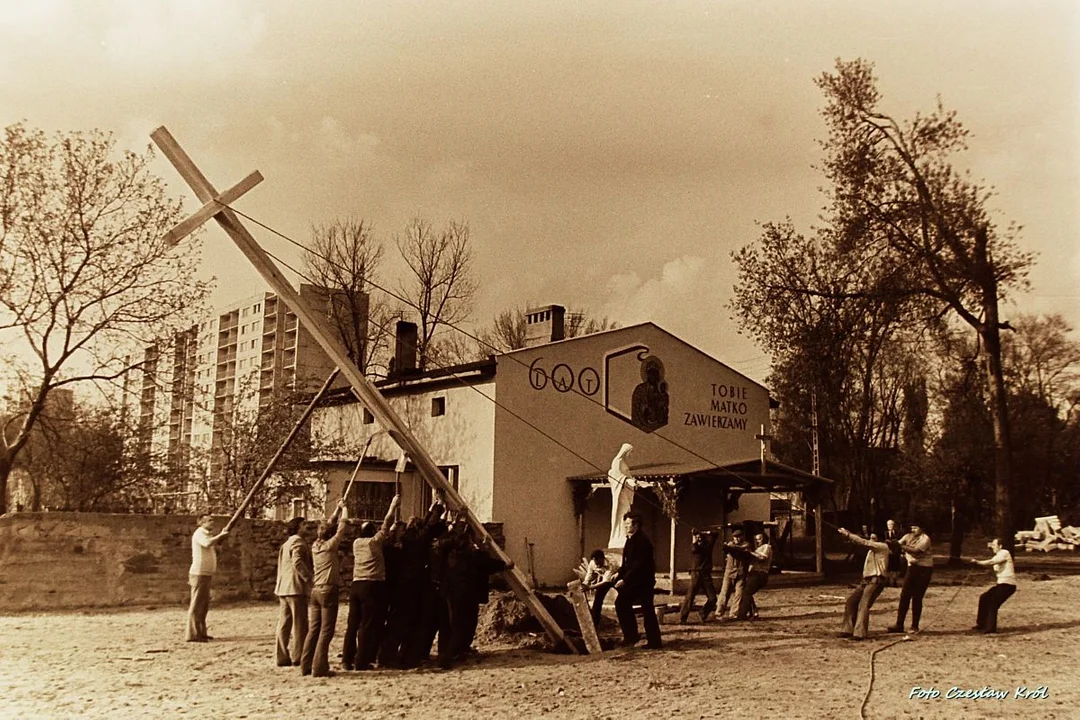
{"type": "Point", "coordinates": [256, 307]}
{"type": "Point", "coordinates": [438, 406]}
{"type": "Point", "coordinates": [244, 312]}
{"type": "Point", "coordinates": [450, 472]}
{"type": "Point", "coordinates": [368, 417]}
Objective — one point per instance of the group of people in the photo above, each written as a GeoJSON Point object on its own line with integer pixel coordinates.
{"type": "Point", "coordinates": [746, 571]}
{"type": "Point", "coordinates": [885, 559]}
{"type": "Point", "coordinates": [412, 583]}
{"type": "Point", "coordinates": [415, 582]}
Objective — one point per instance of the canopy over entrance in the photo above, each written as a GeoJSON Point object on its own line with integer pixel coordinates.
{"type": "Point", "coordinates": [736, 478]}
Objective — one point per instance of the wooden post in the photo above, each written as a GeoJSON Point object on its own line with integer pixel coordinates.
{"type": "Point", "coordinates": [281, 450]}
{"type": "Point", "coordinates": [584, 617]}
{"type": "Point", "coordinates": [819, 541]}
{"type": "Point", "coordinates": [671, 557]}
{"type": "Point", "coordinates": [376, 404]}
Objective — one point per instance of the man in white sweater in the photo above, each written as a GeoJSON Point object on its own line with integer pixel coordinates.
{"type": "Point", "coordinates": [203, 567]}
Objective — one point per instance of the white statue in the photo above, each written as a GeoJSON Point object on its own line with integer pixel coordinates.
{"type": "Point", "coordinates": [622, 485]}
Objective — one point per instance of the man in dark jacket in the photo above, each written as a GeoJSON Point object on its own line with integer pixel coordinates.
{"type": "Point", "coordinates": [635, 583]}
{"type": "Point", "coordinates": [701, 552]}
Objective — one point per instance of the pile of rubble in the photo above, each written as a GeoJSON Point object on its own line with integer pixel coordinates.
{"type": "Point", "coordinates": [1048, 535]}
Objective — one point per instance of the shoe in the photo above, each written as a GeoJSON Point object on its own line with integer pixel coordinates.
{"type": "Point", "coordinates": [914, 631]}
{"type": "Point", "coordinates": [894, 629]}
{"type": "Point", "coordinates": [653, 646]}
{"type": "Point", "coordinates": [364, 666]}
{"type": "Point", "coordinates": [197, 639]}
{"type": "Point", "coordinates": [328, 673]}
{"type": "Point", "coordinates": [285, 664]}
{"type": "Point", "coordinates": [628, 643]}
{"type": "Point", "coordinates": [854, 638]}
{"type": "Point", "coordinates": [348, 666]}
{"type": "Point", "coordinates": [843, 635]}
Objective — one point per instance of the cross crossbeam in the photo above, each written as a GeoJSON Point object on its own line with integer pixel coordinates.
{"type": "Point", "coordinates": [320, 329]}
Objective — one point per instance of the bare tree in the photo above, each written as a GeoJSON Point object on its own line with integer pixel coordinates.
{"type": "Point", "coordinates": [86, 279]}
{"type": "Point", "coordinates": [344, 258]}
{"type": "Point", "coordinates": [440, 288]}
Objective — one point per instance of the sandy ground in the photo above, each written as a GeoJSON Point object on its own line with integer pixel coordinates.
{"type": "Point", "coordinates": [789, 664]}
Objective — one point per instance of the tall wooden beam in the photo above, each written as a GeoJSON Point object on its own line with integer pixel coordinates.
{"type": "Point", "coordinates": [376, 404]}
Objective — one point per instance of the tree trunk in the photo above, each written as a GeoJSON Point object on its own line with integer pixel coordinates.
{"type": "Point", "coordinates": [956, 536]}
{"type": "Point", "coordinates": [5, 471]}
{"type": "Point", "coordinates": [999, 411]}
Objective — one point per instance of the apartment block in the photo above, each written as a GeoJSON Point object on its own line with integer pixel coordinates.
{"type": "Point", "coordinates": [235, 360]}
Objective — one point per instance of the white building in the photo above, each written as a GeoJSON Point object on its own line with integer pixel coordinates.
{"type": "Point", "coordinates": [527, 439]}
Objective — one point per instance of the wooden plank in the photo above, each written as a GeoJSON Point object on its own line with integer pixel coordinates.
{"type": "Point", "coordinates": [211, 208]}
{"type": "Point", "coordinates": [584, 617]}
{"type": "Point", "coordinates": [376, 404]}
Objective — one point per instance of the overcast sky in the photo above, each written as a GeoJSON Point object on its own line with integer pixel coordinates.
{"type": "Point", "coordinates": [607, 155]}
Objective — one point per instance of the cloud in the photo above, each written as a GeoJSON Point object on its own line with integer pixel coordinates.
{"type": "Point", "coordinates": [148, 37]}
{"type": "Point", "coordinates": [688, 297]}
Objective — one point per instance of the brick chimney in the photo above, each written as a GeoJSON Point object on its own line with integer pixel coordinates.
{"type": "Point", "coordinates": [405, 339]}
{"type": "Point", "coordinates": [544, 324]}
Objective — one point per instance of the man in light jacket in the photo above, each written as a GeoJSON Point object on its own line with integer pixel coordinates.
{"type": "Point", "coordinates": [294, 574]}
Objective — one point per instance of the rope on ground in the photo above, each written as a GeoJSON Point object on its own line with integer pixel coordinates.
{"type": "Point", "coordinates": [873, 655]}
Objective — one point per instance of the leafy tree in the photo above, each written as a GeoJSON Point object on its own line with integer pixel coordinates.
{"type": "Point", "coordinates": [78, 458]}
{"type": "Point", "coordinates": [829, 314]}
{"type": "Point", "coordinates": [895, 190]}
{"type": "Point", "coordinates": [248, 433]}
{"type": "Point", "coordinates": [1042, 365]}
{"type": "Point", "coordinates": [86, 279]}
{"type": "Point", "coordinates": [440, 287]}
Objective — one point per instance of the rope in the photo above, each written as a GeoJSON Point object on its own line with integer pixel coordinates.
{"type": "Point", "coordinates": [905, 638]}
{"type": "Point", "coordinates": [742, 478]}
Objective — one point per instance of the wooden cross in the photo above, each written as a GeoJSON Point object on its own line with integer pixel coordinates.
{"type": "Point", "coordinates": [215, 205]}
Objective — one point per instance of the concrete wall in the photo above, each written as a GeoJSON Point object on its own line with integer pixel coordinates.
{"type": "Point", "coordinates": [59, 561]}
{"type": "Point", "coordinates": [52, 561]}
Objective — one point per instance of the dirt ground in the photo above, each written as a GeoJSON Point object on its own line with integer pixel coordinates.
{"type": "Point", "coordinates": [788, 664]}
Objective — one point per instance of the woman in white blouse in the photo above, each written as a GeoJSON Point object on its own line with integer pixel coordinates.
{"type": "Point", "coordinates": [1002, 590]}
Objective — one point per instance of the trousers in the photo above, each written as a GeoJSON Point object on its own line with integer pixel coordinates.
{"type": "Point", "coordinates": [754, 582]}
{"type": "Point", "coordinates": [367, 615]}
{"type": "Point", "coordinates": [989, 603]}
{"type": "Point", "coordinates": [322, 619]}
{"type": "Point", "coordinates": [700, 581]}
{"type": "Point", "coordinates": [199, 607]}
{"type": "Point", "coordinates": [911, 592]}
{"type": "Point", "coordinates": [624, 610]}
{"type": "Point", "coordinates": [857, 608]}
{"type": "Point", "coordinates": [291, 629]}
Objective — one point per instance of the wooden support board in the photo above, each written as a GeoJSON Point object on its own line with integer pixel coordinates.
{"type": "Point", "coordinates": [584, 617]}
{"type": "Point", "coordinates": [376, 404]}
